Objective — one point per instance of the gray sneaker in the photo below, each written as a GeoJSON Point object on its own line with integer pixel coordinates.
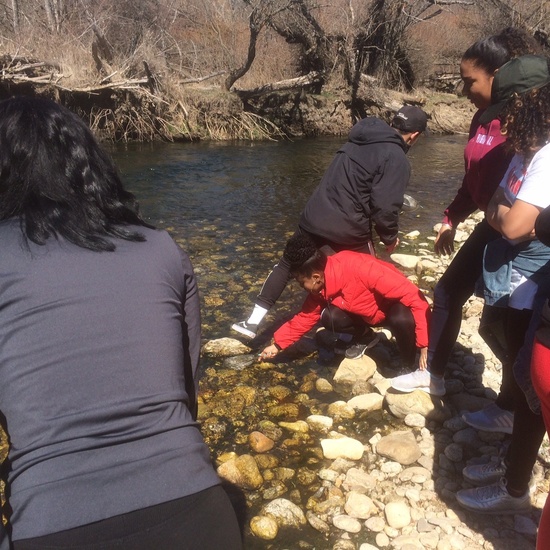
{"type": "Point", "coordinates": [485, 474]}
{"type": "Point", "coordinates": [246, 329]}
{"type": "Point", "coordinates": [491, 419]}
{"type": "Point", "coordinates": [493, 499]}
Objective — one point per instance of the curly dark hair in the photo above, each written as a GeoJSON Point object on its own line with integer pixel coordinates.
{"type": "Point", "coordinates": [58, 181]}
{"type": "Point", "coordinates": [492, 52]}
{"type": "Point", "coordinates": [303, 256]}
{"type": "Point", "coordinates": [526, 121]}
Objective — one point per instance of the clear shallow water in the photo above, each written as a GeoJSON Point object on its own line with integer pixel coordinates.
{"type": "Point", "coordinates": [233, 205]}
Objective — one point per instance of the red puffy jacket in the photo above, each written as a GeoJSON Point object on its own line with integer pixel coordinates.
{"type": "Point", "coordinates": [364, 285]}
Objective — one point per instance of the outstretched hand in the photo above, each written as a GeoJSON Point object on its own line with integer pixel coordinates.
{"type": "Point", "coordinates": [268, 353]}
{"type": "Point", "coordinates": [444, 242]}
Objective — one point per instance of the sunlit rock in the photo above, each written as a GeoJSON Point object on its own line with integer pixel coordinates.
{"type": "Point", "coordinates": [399, 446]}
{"type": "Point", "coordinates": [285, 513]}
{"type": "Point", "coordinates": [344, 447]}
{"type": "Point", "coordinates": [242, 471]}
{"type": "Point", "coordinates": [352, 370]}
{"type": "Point", "coordinates": [260, 443]}
{"type": "Point", "coordinates": [225, 347]}
{"type": "Point", "coordinates": [264, 527]}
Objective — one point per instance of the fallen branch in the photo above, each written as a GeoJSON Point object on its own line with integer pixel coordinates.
{"type": "Point", "coordinates": [289, 84]}
{"type": "Point", "coordinates": [202, 78]}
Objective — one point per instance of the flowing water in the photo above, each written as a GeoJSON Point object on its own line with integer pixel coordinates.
{"type": "Point", "coordinates": [232, 206]}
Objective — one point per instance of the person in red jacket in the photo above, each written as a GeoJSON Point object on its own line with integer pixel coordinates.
{"type": "Point", "coordinates": [349, 292]}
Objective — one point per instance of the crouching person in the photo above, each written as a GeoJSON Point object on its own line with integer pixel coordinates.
{"type": "Point", "coordinates": [350, 292]}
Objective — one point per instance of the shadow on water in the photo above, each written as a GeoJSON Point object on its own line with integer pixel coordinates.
{"type": "Point", "coordinates": [232, 206]}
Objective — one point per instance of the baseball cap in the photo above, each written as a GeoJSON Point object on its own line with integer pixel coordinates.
{"type": "Point", "coordinates": [410, 119]}
{"type": "Point", "coordinates": [518, 76]}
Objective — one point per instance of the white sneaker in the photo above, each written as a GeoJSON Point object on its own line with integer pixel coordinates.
{"type": "Point", "coordinates": [419, 380]}
{"type": "Point", "coordinates": [493, 499]}
{"type": "Point", "coordinates": [246, 329]}
{"type": "Point", "coordinates": [491, 419]}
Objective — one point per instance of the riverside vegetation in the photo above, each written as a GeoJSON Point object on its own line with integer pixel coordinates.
{"type": "Point", "coordinates": [247, 69]}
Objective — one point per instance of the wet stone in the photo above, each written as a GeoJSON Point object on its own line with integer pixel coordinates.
{"type": "Point", "coordinates": [264, 527]}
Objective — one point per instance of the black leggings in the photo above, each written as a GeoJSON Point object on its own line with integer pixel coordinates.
{"type": "Point", "coordinates": [452, 291]}
{"type": "Point", "coordinates": [399, 320]}
{"type": "Point", "coordinates": [203, 521]}
{"type": "Point", "coordinates": [529, 430]}
{"type": "Point", "coordinates": [280, 275]}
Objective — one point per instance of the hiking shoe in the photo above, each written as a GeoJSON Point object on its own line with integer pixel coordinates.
{"type": "Point", "coordinates": [355, 351]}
{"type": "Point", "coordinates": [485, 474]}
{"type": "Point", "coordinates": [246, 329]}
{"type": "Point", "coordinates": [419, 380]}
{"type": "Point", "coordinates": [491, 419]}
{"type": "Point", "coordinates": [493, 499]}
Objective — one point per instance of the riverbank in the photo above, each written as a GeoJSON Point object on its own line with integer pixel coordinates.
{"type": "Point", "coordinates": [329, 457]}
{"type": "Point", "coordinates": [152, 108]}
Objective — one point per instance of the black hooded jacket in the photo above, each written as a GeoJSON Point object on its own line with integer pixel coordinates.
{"type": "Point", "coordinates": [364, 185]}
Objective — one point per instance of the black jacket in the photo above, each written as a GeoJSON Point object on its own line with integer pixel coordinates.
{"type": "Point", "coordinates": [364, 185]}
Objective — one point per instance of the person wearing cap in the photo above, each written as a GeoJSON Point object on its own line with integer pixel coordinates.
{"type": "Point", "coordinates": [486, 160]}
{"type": "Point", "coordinates": [362, 188]}
{"type": "Point", "coordinates": [516, 275]}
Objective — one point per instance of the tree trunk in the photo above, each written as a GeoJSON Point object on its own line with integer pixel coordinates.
{"type": "Point", "coordinates": [16, 15]}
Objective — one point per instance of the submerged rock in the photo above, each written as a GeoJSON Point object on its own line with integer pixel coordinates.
{"type": "Point", "coordinates": [285, 513]}
{"type": "Point", "coordinates": [225, 347]}
{"type": "Point", "coordinates": [239, 362]}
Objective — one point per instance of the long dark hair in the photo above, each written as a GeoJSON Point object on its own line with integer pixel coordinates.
{"type": "Point", "coordinates": [58, 181]}
{"type": "Point", "coordinates": [492, 52]}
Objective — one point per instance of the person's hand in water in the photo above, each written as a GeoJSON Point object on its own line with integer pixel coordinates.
{"type": "Point", "coordinates": [444, 242]}
{"type": "Point", "coordinates": [268, 353]}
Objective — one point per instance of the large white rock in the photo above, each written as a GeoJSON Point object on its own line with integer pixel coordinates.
{"type": "Point", "coordinates": [405, 260]}
{"type": "Point", "coordinates": [398, 514]}
{"type": "Point", "coordinates": [344, 447]}
{"type": "Point", "coordinates": [285, 513]}
{"type": "Point", "coordinates": [367, 402]}
{"type": "Point", "coordinates": [352, 370]}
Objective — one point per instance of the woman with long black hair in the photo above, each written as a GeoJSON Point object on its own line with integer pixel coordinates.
{"type": "Point", "coordinates": [99, 350]}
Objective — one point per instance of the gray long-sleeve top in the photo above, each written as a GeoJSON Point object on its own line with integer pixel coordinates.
{"type": "Point", "coordinates": [98, 364]}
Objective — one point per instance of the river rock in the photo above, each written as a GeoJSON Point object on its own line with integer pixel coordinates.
{"type": "Point", "coordinates": [260, 443]}
{"type": "Point", "coordinates": [352, 370]}
{"type": "Point", "coordinates": [405, 260]}
{"type": "Point", "coordinates": [280, 393]}
{"type": "Point", "coordinates": [242, 471]}
{"type": "Point", "coordinates": [264, 527]}
{"type": "Point", "coordinates": [322, 385]}
{"type": "Point", "coordinates": [344, 447]}
{"type": "Point", "coordinates": [367, 402]}
{"type": "Point", "coordinates": [359, 505]}
{"type": "Point", "coordinates": [225, 347]}
{"type": "Point", "coordinates": [359, 481]}
{"type": "Point", "coordinates": [346, 523]}
{"type": "Point", "coordinates": [286, 410]}
{"type": "Point", "coordinates": [319, 423]}
{"type": "Point", "coordinates": [285, 513]}
{"type": "Point", "coordinates": [300, 426]}
{"type": "Point", "coordinates": [398, 514]}
{"type": "Point", "coordinates": [432, 408]}
{"type": "Point", "coordinates": [239, 362]}
{"type": "Point", "coordinates": [270, 429]}
{"type": "Point", "coordinates": [399, 446]}
{"type": "Point", "coordinates": [340, 409]}
{"type": "Point", "coordinates": [317, 523]}
{"type": "Point", "coordinates": [415, 420]}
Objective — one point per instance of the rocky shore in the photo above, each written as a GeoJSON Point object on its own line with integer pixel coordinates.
{"type": "Point", "coordinates": [330, 457]}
